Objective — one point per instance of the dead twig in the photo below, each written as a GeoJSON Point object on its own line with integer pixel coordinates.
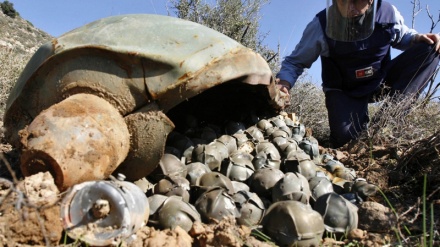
{"type": "Point", "coordinates": [415, 12]}
{"type": "Point", "coordinates": [9, 167]}
{"type": "Point", "coordinates": [431, 17]}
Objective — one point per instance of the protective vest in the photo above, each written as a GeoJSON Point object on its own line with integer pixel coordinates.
{"type": "Point", "coordinates": [357, 67]}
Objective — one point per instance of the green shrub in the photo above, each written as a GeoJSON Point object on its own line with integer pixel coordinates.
{"type": "Point", "coordinates": [8, 9]}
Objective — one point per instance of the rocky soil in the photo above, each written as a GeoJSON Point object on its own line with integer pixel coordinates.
{"type": "Point", "coordinates": [30, 208]}
{"type": "Point", "coordinates": [20, 35]}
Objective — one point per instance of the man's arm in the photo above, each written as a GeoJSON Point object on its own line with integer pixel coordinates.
{"type": "Point", "coordinates": [306, 52]}
{"type": "Point", "coordinates": [406, 37]}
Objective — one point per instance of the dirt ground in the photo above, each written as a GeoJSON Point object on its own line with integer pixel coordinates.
{"type": "Point", "coordinates": [29, 208]}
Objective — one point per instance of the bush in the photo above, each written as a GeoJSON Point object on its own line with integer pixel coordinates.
{"type": "Point", "coordinates": [399, 122]}
{"type": "Point", "coordinates": [394, 122]}
{"type": "Point", "coordinates": [308, 103]}
{"type": "Point", "coordinates": [8, 9]}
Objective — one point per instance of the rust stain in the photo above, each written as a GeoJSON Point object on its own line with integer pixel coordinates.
{"type": "Point", "coordinates": [55, 45]}
{"type": "Point", "coordinates": [215, 78]}
{"type": "Point", "coordinates": [186, 76]}
{"type": "Point", "coordinates": [133, 53]}
{"type": "Point", "coordinates": [54, 42]}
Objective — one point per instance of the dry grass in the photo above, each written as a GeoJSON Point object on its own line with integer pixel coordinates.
{"type": "Point", "coordinates": [401, 122]}
{"type": "Point", "coordinates": [393, 124]}
{"type": "Point", "coordinates": [307, 101]}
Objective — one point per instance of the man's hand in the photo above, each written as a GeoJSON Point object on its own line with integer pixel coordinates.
{"type": "Point", "coordinates": [283, 86]}
{"type": "Point", "coordinates": [429, 38]}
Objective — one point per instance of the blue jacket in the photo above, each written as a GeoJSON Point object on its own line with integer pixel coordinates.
{"type": "Point", "coordinates": [356, 67]}
{"type": "Point", "coordinates": [342, 60]}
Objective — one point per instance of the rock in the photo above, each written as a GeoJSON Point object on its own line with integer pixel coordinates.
{"type": "Point", "coordinates": [357, 234]}
{"type": "Point", "coordinates": [376, 240]}
{"type": "Point", "coordinates": [25, 220]}
{"type": "Point", "coordinates": [340, 155]}
{"type": "Point", "coordinates": [375, 217]}
{"type": "Point", "coordinates": [197, 229]}
{"type": "Point", "coordinates": [331, 242]}
{"type": "Point", "coordinates": [150, 237]}
{"type": "Point", "coordinates": [40, 189]}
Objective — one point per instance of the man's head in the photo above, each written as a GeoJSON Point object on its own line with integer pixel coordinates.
{"type": "Point", "coordinates": [350, 20]}
{"type": "Point", "coordinates": [353, 8]}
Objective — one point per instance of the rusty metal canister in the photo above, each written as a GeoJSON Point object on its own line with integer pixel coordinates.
{"type": "Point", "coordinates": [80, 139]}
{"type": "Point", "coordinates": [101, 213]}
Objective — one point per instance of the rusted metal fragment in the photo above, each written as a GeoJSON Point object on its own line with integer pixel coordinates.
{"type": "Point", "coordinates": [79, 139]}
{"type": "Point", "coordinates": [148, 134]}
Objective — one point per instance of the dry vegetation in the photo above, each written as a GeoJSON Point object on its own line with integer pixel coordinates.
{"type": "Point", "coordinates": [307, 101]}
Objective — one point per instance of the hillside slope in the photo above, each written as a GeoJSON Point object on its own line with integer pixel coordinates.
{"type": "Point", "coordinates": [20, 35]}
